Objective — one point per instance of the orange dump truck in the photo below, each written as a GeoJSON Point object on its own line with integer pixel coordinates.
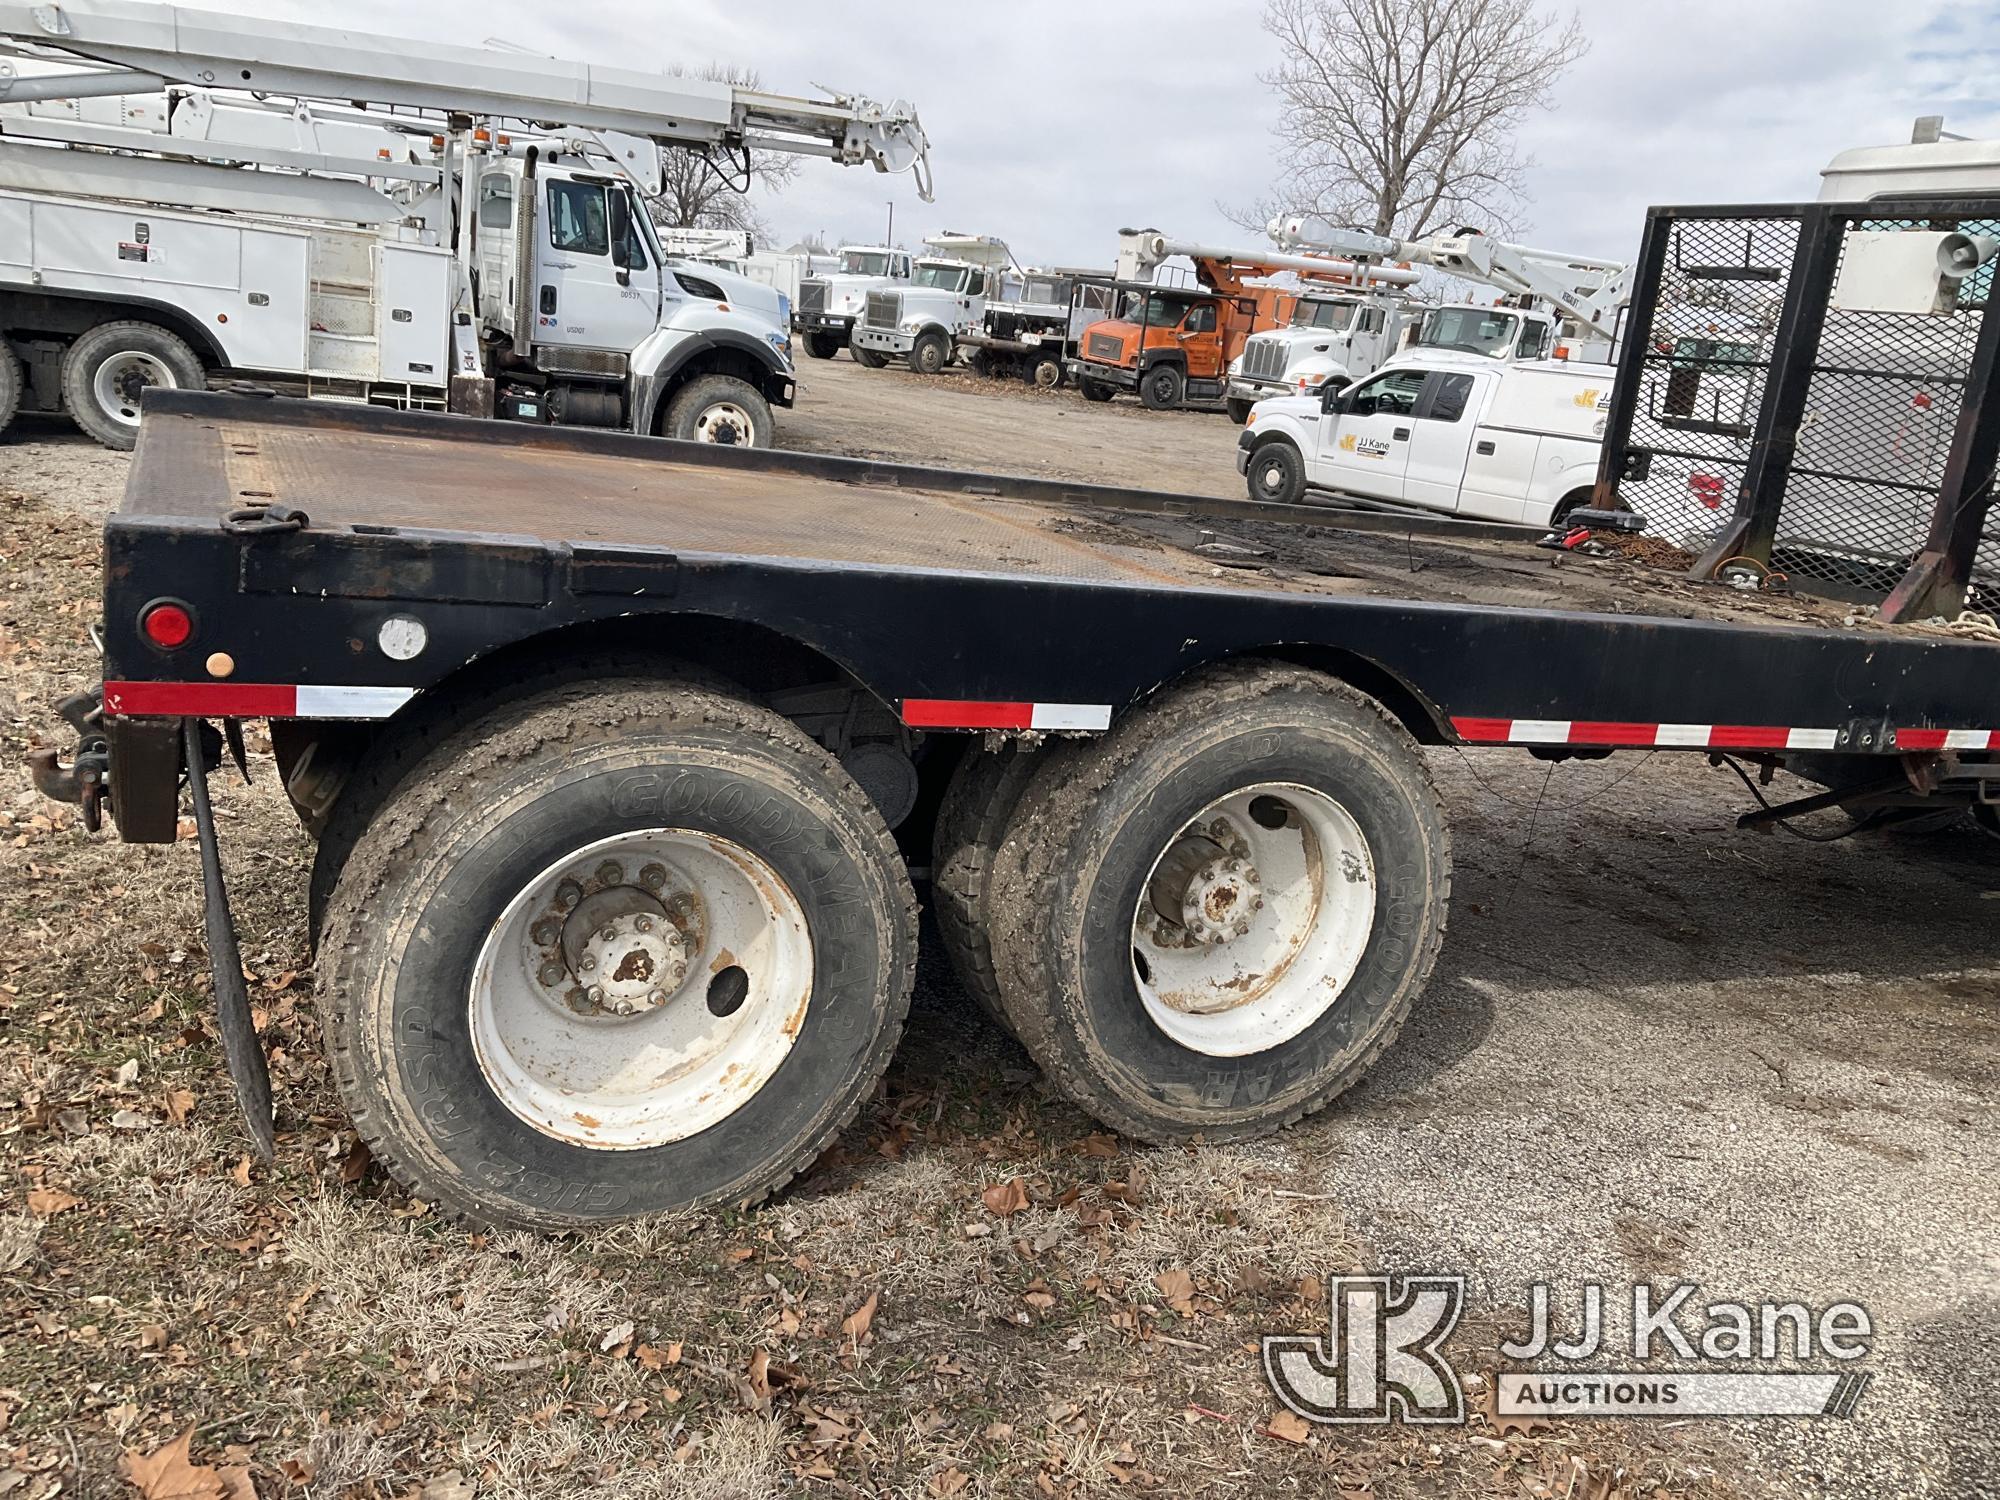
{"type": "Point", "coordinates": [1173, 344]}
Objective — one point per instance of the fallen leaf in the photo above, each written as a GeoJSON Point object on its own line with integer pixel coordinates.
{"type": "Point", "coordinates": [179, 1105]}
{"type": "Point", "coordinates": [760, 1381]}
{"type": "Point", "coordinates": [354, 1165]}
{"type": "Point", "coordinates": [951, 1482]}
{"type": "Point", "coordinates": [169, 1473]}
{"type": "Point", "coordinates": [237, 1484]}
{"type": "Point", "coordinates": [613, 1337]}
{"type": "Point", "coordinates": [855, 1324]}
{"type": "Point", "coordinates": [1099, 1144]}
{"type": "Point", "coordinates": [240, 1173]}
{"type": "Point", "coordinates": [1178, 1288]}
{"type": "Point", "coordinates": [450, 1485]}
{"type": "Point", "coordinates": [46, 1203]}
{"type": "Point", "coordinates": [1288, 1425]}
{"type": "Point", "coordinates": [1005, 1198]}
{"type": "Point", "coordinates": [653, 1358]}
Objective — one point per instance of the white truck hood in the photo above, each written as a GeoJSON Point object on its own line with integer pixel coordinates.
{"type": "Point", "coordinates": [765, 303]}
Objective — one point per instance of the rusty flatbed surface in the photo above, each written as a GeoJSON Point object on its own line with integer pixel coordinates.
{"type": "Point", "coordinates": [371, 469]}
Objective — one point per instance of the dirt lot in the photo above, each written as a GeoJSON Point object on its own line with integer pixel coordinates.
{"type": "Point", "coordinates": [1656, 1049]}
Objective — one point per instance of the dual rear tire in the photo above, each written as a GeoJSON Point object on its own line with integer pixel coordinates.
{"type": "Point", "coordinates": [615, 951]}
{"type": "Point", "coordinates": [1211, 921]}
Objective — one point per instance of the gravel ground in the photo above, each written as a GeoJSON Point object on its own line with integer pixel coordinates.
{"type": "Point", "coordinates": [1656, 1049]}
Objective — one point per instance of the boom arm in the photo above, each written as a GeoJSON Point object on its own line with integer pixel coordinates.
{"type": "Point", "coordinates": [1587, 292]}
{"type": "Point", "coordinates": [146, 46]}
{"type": "Point", "coordinates": [1140, 252]}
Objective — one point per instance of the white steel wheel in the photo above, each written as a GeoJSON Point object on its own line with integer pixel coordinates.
{"type": "Point", "coordinates": [642, 989]}
{"type": "Point", "coordinates": [122, 379]}
{"type": "Point", "coordinates": [724, 422]}
{"type": "Point", "coordinates": [1253, 919]}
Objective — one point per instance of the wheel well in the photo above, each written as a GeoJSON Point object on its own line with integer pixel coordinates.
{"type": "Point", "coordinates": [317, 757]}
{"type": "Point", "coordinates": [1152, 357]}
{"type": "Point", "coordinates": [42, 315]}
{"type": "Point", "coordinates": [1576, 499]}
{"type": "Point", "coordinates": [721, 360]}
{"type": "Point", "coordinates": [1424, 720]}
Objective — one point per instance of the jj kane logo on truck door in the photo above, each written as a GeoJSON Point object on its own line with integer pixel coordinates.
{"type": "Point", "coordinates": [1364, 447]}
{"type": "Point", "coordinates": [1382, 1357]}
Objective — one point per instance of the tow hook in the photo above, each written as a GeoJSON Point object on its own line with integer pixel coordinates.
{"type": "Point", "coordinates": [83, 780]}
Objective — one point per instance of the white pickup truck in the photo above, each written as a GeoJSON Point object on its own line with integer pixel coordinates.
{"type": "Point", "coordinates": [1459, 433]}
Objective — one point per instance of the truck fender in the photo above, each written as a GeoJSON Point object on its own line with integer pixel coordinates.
{"type": "Point", "coordinates": [650, 387]}
{"type": "Point", "coordinates": [19, 305]}
{"type": "Point", "coordinates": [1150, 357]}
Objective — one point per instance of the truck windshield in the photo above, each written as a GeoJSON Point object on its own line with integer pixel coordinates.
{"type": "Point", "coordinates": [864, 262]}
{"type": "Point", "coordinates": [941, 278]}
{"type": "Point", "coordinates": [1471, 330]}
{"type": "Point", "coordinates": [1156, 311]}
{"type": "Point", "coordinates": [1332, 317]}
{"type": "Point", "coordinates": [1039, 289]}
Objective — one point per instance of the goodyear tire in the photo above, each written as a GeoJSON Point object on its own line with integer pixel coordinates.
{"type": "Point", "coordinates": [930, 353]}
{"type": "Point", "coordinates": [971, 824]}
{"type": "Point", "coordinates": [868, 359]}
{"type": "Point", "coordinates": [1162, 387]}
{"type": "Point", "coordinates": [10, 385]}
{"type": "Point", "coordinates": [823, 345]}
{"type": "Point", "coordinates": [1277, 474]}
{"type": "Point", "coordinates": [1255, 783]}
{"type": "Point", "coordinates": [108, 369]}
{"type": "Point", "coordinates": [719, 409]}
{"type": "Point", "coordinates": [604, 882]}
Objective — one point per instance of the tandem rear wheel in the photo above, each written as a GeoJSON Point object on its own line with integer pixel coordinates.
{"type": "Point", "coordinates": [623, 949]}
{"type": "Point", "coordinates": [1214, 919]}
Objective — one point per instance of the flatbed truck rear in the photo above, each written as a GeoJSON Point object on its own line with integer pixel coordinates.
{"type": "Point", "coordinates": [626, 759]}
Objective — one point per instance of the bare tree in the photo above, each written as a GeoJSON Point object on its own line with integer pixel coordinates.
{"type": "Point", "coordinates": [1400, 115]}
{"type": "Point", "coordinates": [700, 192]}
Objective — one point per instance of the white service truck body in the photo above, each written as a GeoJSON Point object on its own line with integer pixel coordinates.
{"type": "Point", "coordinates": [945, 299]}
{"type": "Point", "coordinates": [828, 306]}
{"type": "Point", "coordinates": [1462, 434]}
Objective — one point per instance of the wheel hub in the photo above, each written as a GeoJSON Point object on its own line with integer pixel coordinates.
{"type": "Point", "coordinates": [609, 944]}
{"type": "Point", "coordinates": [1206, 889]}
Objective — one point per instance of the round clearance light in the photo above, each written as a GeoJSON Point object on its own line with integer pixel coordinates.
{"type": "Point", "coordinates": [166, 624]}
{"type": "Point", "coordinates": [402, 637]}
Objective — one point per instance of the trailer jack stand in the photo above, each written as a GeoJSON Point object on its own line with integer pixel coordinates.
{"type": "Point", "coordinates": [240, 1044]}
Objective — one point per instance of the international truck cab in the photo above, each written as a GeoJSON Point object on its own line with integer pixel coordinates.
{"type": "Point", "coordinates": [921, 323]}
{"type": "Point", "coordinates": [830, 305]}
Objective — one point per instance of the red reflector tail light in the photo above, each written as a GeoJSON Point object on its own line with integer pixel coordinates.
{"type": "Point", "coordinates": [166, 624]}
{"type": "Point", "coordinates": [1707, 488]}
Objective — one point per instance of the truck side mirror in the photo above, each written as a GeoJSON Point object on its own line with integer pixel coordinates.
{"type": "Point", "coordinates": [621, 236]}
{"type": "Point", "coordinates": [1333, 400]}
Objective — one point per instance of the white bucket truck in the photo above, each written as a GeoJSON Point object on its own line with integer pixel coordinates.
{"type": "Point", "coordinates": [829, 306]}
{"type": "Point", "coordinates": [369, 219]}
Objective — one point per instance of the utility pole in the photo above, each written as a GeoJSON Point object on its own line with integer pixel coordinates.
{"type": "Point", "coordinates": [891, 240]}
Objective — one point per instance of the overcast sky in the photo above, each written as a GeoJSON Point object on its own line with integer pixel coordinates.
{"type": "Point", "coordinates": [1054, 125]}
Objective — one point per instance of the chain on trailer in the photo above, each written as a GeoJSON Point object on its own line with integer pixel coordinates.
{"type": "Point", "coordinates": [1802, 393]}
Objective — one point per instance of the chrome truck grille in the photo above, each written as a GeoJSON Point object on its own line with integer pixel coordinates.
{"type": "Point", "coordinates": [1107, 346]}
{"type": "Point", "coordinates": [1264, 359]}
{"type": "Point", "coordinates": [884, 309]}
{"type": "Point", "coordinates": [812, 296]}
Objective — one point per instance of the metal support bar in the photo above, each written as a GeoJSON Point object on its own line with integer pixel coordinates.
{"type": "Point", "coordinates": [1794, 345]}
{"type": "Point", "coordinates": [1937, 579]}
{"type": "Point", "coordinates": [1638, 335]}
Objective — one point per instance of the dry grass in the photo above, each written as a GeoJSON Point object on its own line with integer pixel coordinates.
{"type": "Point", "coordinates": [572, 1459]}
{"type": "Point", "coordinates": [19, 1234]}
{"type": "Point", "coordinates": [1215, 1211]}
{"type": "Point", "coordinates": [399, 1287]}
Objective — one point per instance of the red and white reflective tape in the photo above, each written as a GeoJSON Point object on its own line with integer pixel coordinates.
{"type": "Point", "coordinates": [984, 713]}
{"type": "Point", "coordinates": [1699, 736]}
{"type": "Point", "coordinates": [251, 700]}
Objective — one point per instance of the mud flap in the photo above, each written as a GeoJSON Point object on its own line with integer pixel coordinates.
{"type": "Point", "coordinates": [240, 1043]}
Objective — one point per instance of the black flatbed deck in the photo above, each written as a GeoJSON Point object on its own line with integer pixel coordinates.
{"type": "Point", "coordinates": [935, 588]}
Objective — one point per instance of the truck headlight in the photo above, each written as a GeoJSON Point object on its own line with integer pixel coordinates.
{"type": "Point", "coordinates": [911, 325]}
{"type": "Point", "coordinates": [782, 342]}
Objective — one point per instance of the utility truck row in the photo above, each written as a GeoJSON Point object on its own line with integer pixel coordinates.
{"type": "Point", "coordinates": [621, 830]}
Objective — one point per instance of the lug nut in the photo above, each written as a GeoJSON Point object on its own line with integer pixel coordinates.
{"type": "Point", "coordinates": [552, 974]}
{"type": "Point", "coordinates": [568, 894]}
{"type": "Point", "coordinates": [656, 997]}
{"type": "Point", "coordinates": [546, 932]}
{"type": "Point", "coordinates": [642, 924]}
{"type": "Point", "coordinates": [594, 994]}
{"type": "Point", "coordinates": [609, 873]}
{"type": "Point", "coordinates": [588, 964]}
{"type": "Point", "coordinates": [607, 933]}
{"type": "Point", "coordinates": [653, 877]}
